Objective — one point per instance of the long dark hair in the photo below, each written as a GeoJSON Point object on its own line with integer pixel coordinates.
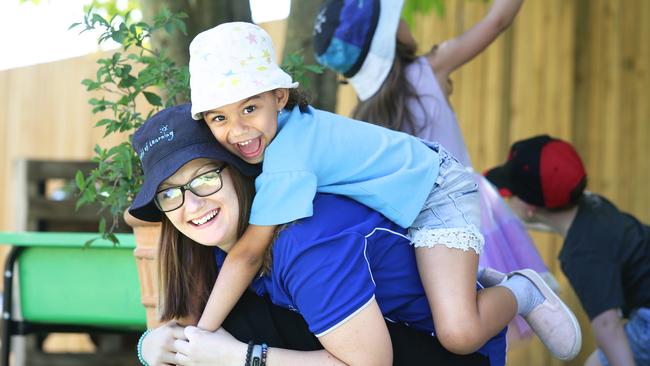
{"type": "Point", "coordinates": [388, 106]}
{"type": "Point", "coordinates": [187, 270]}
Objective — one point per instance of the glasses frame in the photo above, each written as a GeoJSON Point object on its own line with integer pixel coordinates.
{"type": "Point", "coordinates": [188, 187]}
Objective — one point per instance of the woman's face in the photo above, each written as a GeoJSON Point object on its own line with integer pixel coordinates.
{"type": "Point", "coordinates": [210, 220]}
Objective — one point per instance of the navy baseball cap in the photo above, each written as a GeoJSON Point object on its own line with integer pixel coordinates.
{"type": "Point", "coordinates": [167, 141]}
{"type": "Point", "coordinates": [542, 171]}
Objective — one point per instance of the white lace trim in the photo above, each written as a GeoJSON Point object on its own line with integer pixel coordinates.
{"type": "Point", "coordinates": [464, 238]}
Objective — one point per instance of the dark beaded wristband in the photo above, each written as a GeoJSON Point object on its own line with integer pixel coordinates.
{"type": "Point", "coordinates": [249, 352]}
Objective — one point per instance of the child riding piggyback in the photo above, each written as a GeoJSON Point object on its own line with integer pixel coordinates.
{"type": "Point", "coordinates": [255, 110]}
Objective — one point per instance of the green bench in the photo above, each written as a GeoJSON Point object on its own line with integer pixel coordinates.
{"type": "Point", "coordinates": [59, 285]}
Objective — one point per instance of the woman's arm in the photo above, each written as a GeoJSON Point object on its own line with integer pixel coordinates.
{"type": "Point", "coordinates": [222, 349]}
{"type": "Point", "coordinates": [362, 339]}
{"type": "Point", "coordinates": [455, 52]}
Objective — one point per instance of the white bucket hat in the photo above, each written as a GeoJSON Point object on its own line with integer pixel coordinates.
{"type": "Point", "coordinates": [231, 62]}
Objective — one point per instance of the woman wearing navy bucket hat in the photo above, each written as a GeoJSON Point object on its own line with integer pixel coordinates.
{"type": "Point", "coordinates": [202, 195]}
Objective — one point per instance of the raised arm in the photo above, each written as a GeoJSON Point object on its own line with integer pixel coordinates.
{"type": "Point", "coordinates": [611, 338]}
{"type": "Point", "coordinates": [455, 52]}
{"type": "Point", "coordinates": [242, 263]}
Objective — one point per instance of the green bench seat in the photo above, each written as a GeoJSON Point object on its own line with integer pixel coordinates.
{"type": "Point", "coordinates": [62, 284]}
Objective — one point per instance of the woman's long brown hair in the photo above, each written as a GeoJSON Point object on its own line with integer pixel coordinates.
{"type": "Point", "coordinates": [187, 270]}
{"type": "Point", "coordinates": [388, 106]}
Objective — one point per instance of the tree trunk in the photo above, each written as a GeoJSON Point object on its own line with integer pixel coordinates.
{"type": "Point", "coordinates": [299, 37]}
{"type": "Point", "coordinates": [202, 15]}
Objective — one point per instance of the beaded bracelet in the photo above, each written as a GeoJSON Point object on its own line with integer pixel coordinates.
{"type": "Point", "coordinates": [256, 355]}
{"type": "Point", "coordinates": [249, 352]}
{"type": "Point", "coordinates": [265, 350]}
{"type": "Point", "coordinates": [139, 347]}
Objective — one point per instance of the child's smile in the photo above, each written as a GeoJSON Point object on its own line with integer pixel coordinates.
{"type": "Point", "coordinates": [251, 148]}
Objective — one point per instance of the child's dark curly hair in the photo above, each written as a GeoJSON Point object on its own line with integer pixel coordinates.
{"type": "Point", "coordinates": [297, 97]}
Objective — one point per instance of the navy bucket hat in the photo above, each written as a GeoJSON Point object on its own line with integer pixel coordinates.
{"type": "Point", "coordinates": [166, 142]}
{"type": "Point", "coordinates": [357, 39]}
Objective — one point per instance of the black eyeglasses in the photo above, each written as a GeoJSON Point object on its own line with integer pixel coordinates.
{"type": "Point", "coordinates": [172, 198]}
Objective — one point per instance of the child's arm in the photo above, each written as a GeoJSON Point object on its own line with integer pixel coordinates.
{"type": "Point", "coordinates": [455, 52]}
{"type": "Point", "coordinates": [242, 264]}
{"type": "Point", "coordinates": [611, 338]}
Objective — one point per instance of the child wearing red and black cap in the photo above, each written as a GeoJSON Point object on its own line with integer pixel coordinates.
{"type": "Point", "coordinates": [606, 252]}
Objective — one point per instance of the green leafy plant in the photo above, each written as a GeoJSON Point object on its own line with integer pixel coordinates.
{"type": "Point", "coordinates": [412, 7]}
{"type": "Point", "coordinates": [294, 65]}
{"type": "Point", "coordinates": [135, 83]}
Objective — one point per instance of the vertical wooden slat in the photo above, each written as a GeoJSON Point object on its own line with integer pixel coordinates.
{"type": "Point", "coordinates": [641, 163]}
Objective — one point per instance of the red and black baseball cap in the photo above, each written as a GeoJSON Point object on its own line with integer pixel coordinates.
{"type": "Point", "coordinates": [542, 171]}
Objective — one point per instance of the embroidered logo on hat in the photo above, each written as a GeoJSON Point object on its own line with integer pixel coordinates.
{"type": "Point", "coordinates": [167, 141]}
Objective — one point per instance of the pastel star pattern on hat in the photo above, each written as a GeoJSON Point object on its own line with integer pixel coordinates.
{"type": "Point", "coordinates": [231, 62]}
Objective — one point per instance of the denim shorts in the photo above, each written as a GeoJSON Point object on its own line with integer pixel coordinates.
{"type": "Point", "coordinates": [637, 330]}
{"type": "Point", "coordinates": [451, 214]}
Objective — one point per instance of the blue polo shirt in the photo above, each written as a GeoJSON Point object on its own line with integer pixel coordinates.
{"type": "Point", "coordinates": [331, 265]}
{"type": "Point", "coordinates": [316, 151]}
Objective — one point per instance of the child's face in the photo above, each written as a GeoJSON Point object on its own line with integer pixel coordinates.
{"type": "Point", "coordinates": [247, 127]}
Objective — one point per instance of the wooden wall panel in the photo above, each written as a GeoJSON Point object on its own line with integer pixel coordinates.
{"type": "Point", "coordinates": [4, 151]}
{"type": "Point", "coordinates": [612, 112]}
{"type": "Point", "coordinates": [46, 116]}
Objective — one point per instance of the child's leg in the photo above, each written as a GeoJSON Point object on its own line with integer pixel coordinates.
{"type": "Point", "coordinates": [447, 245]}
{"type": "Point", "coordinates": [464, 318]}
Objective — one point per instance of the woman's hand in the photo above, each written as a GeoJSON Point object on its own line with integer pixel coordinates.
{"type": "Point", "coordinates": [198, 347]}
{"type": "Point", "coordinates": [158, 344]}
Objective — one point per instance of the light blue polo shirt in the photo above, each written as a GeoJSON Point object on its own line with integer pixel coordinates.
{"type": "Point", "coordinates": [329, 266]}
{"type": "Point", "coordinates": [317, 151]}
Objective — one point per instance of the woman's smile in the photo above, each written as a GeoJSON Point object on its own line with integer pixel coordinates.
{"type": "Point", "coordinates": [208, 217]}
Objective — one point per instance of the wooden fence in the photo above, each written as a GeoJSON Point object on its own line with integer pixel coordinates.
{"type": "Point", "coordinates": [575, 69]}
